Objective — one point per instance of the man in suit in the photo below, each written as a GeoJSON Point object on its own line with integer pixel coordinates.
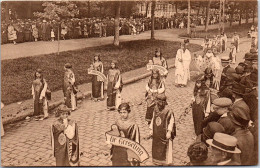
{"type": "Point", "coordinates": [237, 93]}
{"type": "Point", "coordinates": [223, 149]}
{"type": "Point", "coordinates": [245, 139]}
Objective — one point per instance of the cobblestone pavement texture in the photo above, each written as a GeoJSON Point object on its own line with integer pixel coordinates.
{"type": "Point", "coordinates": [28, 143]}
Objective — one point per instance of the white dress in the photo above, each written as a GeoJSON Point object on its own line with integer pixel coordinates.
{"type": "Point", "coordinates": [182, 64]}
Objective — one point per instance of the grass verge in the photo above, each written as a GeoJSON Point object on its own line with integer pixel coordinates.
{"type": "Point", "coordinates": [17, 74]}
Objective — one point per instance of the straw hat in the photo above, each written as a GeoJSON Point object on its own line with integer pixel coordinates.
{"type": "Point", "coordinates": [224, 142]}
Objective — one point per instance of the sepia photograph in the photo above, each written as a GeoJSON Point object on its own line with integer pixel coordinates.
{"type": "Point", "coordinates": [129, 83]}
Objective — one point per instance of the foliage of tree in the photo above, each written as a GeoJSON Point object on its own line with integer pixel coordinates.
{"type": "Point", "coordinates": [58, 10]}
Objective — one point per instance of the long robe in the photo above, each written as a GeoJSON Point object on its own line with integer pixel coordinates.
{"type": "Point", "coordinates": [97, 84]}
{"type": "Point", "coordinates": [113, 88]}
{"type": "Point", "coordinates": [68, 84]}
{"type": "Point", "coordinates": [236, 40]}
{"type": "Point", "coordinates": [40, 101]}
{"type": "Point", "coordinates": [153, 88]}
{"type": "Point", "coordinates": [182, 64]}
{"type": "Point", "coordinates": [198, 115]}
{"type": "Point", "coordinates": [119, 154]}
{"type": "Point", "coordinates": [163, 121]}
{"type": "Point", "coordinates": [65, 143]}
{"type": "Point", "coordinates": [216, 69]}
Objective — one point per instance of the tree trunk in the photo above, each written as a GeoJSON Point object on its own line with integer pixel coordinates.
{"type": "Point", "coordinates": [29, 10]}
{"type": "Point", "coordinates": [117, 15]}
{"type": "Point", "coordinates": [207, 16]}
{"type": "Point", "coordinates": [146, 9]}
{"type": "Point", "coordinates": [152, 13]}
{"type": "Point", "coordinates": [231, 16]}
{"type": "Point", "coordinates": [240, 16]}
{"type": "Point", "coordinates": [246, 15]}
{"type": "Point", "coordinates": [253, 14]}
{"type": "Point", "coordinates": [188, 24]}
{"type": "Point", "coordinates": [220, 16]}
{"type": "Point", "coordinates": [89, 9]}
{"type": "Point", "coordinates": [176, 7]}
{"type": "Point", "coordinates": [198, 11]}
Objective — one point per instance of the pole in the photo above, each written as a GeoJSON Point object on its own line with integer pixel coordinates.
{"type": "Point", "coordinates": [220, 16]}
{"type": "Point", "coordinates": [188, 25]}
{"type": "Point", "coordinates": [223, 15]}
{"type": "Point", "coordinates": [59, 39]}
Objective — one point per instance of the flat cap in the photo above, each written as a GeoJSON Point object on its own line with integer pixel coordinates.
{"type": "Point", "coordinates": [212, 128]}
{"type": "Point", "coordinates": [222, 102]}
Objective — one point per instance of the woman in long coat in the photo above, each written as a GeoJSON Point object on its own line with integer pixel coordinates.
{"type": "Point", "coordinates": [154, 87]}
{"type": "Point", "coordinates": [114, 87]}
{"type": "Point", "coordinates": [97, 84]}
{"type": "Point", "coordinates": [39, 88]}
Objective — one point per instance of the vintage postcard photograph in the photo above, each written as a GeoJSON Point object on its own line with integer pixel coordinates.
{"type": "Point", "coordinates": [129, 83]}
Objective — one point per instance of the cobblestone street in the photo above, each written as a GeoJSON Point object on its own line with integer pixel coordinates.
{"type": "Point", "coordinates": [28, 143]}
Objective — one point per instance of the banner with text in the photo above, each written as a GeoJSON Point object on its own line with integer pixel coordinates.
{"type": "Point", "coordinates": [133, 146]}
{"type": "Point", "coordinates": [101, 75]}
{"type": "Point", "coordinates": [162, 69]}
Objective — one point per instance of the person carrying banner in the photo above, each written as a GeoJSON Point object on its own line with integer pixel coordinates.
{"type": "Point", "coordinates": [69, 88]}
{"type": "Point", "coordinates": [126, 128]}
{"type": "Point", "coordinates": [163, 132]}
{"type": "Point", "coordinates": [114, 87]}
{"type": "Point", "coordinates": [97, 84]}
{"type": "Point", "coordinates": [158, 59]}
{"type": "Point", "coordinates": [65, 139]}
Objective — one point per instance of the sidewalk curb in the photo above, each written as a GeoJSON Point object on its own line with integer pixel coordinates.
{"type": "Point", "coordinates": [85, 95]}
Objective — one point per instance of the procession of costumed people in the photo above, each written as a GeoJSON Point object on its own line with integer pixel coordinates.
{"type": "Point", "coordinates": [224, 110]}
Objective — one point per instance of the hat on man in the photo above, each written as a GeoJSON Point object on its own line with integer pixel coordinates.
{"type": "Point", "coordinates": [222, 102]}
{"type": "Point", "coordinates": [212, 127]}
{"type": "Point", "coordinates": [68, 65]}
{"type": "Point", "coordinates": [248, 56]}
{"type": "Point", "coordinates": [253, 51]}
{"type": "Point", "coordinates": [254, 56]}
{"type": "Point", "coordinates": [224, 142]}
{"type": "Point", "coordinates": [227, 124]}
{"type": "Point", "coordinates": [239, 116]}
{"type": "Point", "coordinates": [224, 60]}
{"type": "Point", "coordinates": [239, 69]}
{"type": "Point", "coordinates": [238, 88]}
{"type": "Point", "coordinates": [242, 64]}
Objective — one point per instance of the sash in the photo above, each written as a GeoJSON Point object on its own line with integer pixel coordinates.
{"type": "Point", "coordinates": [162, 69]}
{"type": "Point", "coordinates": [137, 151]}
{"type": "Point", "coordinates": [101, 75]}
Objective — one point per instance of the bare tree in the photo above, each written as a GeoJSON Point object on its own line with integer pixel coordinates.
{"type": "Point", "coordinates": [117, 15]}
{"type": "Point", "coordinates": [152, 13]}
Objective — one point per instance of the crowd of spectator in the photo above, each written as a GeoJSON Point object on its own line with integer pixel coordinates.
{"type": "Point", "coordinates": [27, 30]}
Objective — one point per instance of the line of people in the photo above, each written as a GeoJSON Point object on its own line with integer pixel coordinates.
{"type": "Point", "coordinates": [226, 117]}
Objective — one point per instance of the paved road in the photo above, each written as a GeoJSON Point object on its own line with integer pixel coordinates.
{"type": "Point", "coordinates": [28, 143]}
{"type": "Point", "coordinates": [10, 51]}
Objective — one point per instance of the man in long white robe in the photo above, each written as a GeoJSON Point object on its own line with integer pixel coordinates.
{"type": "Point", "coordinates": [182, 64]}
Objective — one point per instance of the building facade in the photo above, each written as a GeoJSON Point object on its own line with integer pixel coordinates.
{"type": "Point", "coordinates": [162, 9]}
